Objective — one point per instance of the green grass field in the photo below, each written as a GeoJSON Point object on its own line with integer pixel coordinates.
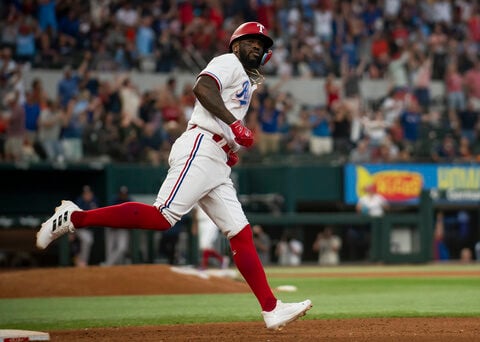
{"type": "Point", "coordinates": [333, 297]}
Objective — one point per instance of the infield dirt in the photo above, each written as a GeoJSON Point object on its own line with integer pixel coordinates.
{"type": "Point", "coordinates": [106, 281]}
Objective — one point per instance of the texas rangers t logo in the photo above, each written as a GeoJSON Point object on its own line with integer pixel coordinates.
{"type": "Point", "coordinates": [260, 27]}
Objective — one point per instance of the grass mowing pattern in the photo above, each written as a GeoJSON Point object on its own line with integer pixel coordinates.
{"type": "Point", "coordinates": [332, 298]}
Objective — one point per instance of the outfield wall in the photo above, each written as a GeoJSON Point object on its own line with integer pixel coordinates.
{"type": "Point", "coordinates": [303, 197]}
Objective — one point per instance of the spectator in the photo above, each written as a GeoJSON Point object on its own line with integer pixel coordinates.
{"type": "Point", "coordinates": [361, 153]}
{"type": "Point", "coordinates": [82, 240]}
{"type": "Point", "coordinates": [465, 153]}
{"type": "Point", "coordinates": [168, 52]}
{"type": "Point", "coordinates": [75, 120]}
{"type": "Point", "coordinates": [15, 132]}
{"type": "Point", "coordinates": [289, 250]}
{"type": "Point", "coordinates": [117, 240]}
{"type": "Point", "coordinates": [422, 80]}
{"type": "Point", "coordinates": [130, 99]}
{"type": "Point", "coordinates": [127, 15]}
{"type": "Point", "coordinates": [322, 16]}
{"type": "Point", "coordinates": [446, 150]}
{"type": "Point", "coordinates": [351, 77]}
{"type": "Point", "coordinates": [262, 244]}
{"type": "Point", "coordinates": [9, 31]}
{"type": "Point", "coordinates": [49, 129]}
{"type": "Point", "coordinates": [468, 121]}
{"type": "Point", "coordinates": [32, 113]}
{"type": "Point", "coordinates": [7, 64]}
{"type": "Point", "coordinates": [270, 116]}
{"type": "Point", "coordinates": [396, 71]}
{"type": "Point", "coordinates": [374, 127]}
{"type": "Point", "coordinates": [68, 86]}
{"type": "Point", "coordinates": [341, 127]}
{"type": "Point", "coordinates": [380, 54]}
{"type": "Point", "coordinates": [46, 15]}
{"type": "Point", "coordinates": [300, 132]}
{"type": "Point", "coordinates": [321, 141]}
{"type": "Point", "coordinates": [25, 48]}
{"type": "Point", "coordinates": [437, 44]}
{"type": "Point", "coordinates": [410, 120]}
{"type": "Point", "coordinates": [69, 24]}
{"type": "Point", "coordinates": [387, 152]}
{"type": "Point", "coordinates": [472, 83]}
{"type": "Point", "coordinates": [145, 43]}
{"type": "Point", "coordinates": [38, 92]}
{"type": "Point", "coordinates": [174, 121]}
{"type": "Point", "coordinates": [332, 90]}
{"type": "Point", "coordinates": [328, 246]}
{"type": "Point", "coordinates": [153, 144]}
{"type": "Point", "coordinates": [454, 84]}
{"type": "Point", "coordinates": [168, 246]}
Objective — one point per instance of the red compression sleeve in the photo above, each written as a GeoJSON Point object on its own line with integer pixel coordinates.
{"type": "Point", "coordinates": [125, 215]}
{"type": "Point", "coordinates": [250, 266]}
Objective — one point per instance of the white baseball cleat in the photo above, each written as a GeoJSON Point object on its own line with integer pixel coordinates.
{"type": "Point", "coordinates": [285, 313]}
{"type": "Point", "coordinates": [57, 225]}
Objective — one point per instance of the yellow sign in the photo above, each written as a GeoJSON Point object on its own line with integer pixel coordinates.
{"type": "Point", "coordinates": [393, 185]}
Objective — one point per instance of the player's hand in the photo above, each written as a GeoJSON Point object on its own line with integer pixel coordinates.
{"type": "Point", "coordinates": [232, 158]}
{"type": "Point", "coordinates": [243, 136]}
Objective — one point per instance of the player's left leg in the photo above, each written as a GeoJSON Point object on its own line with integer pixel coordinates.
{"type": "Point", "coordinates": [222, 205]}
{"type": "Point", "coordinates": [276, 314]}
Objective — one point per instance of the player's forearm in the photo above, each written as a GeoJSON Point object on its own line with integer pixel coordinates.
{"type": "Point", "coordinates": [207, 93]}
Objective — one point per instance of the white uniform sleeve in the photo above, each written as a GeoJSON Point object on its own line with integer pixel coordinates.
{"type": "Point", "coordinates": [222, 70]}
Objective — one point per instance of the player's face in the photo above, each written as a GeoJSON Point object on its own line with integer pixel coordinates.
{"type": "Point", "coordinates": [251, 52]}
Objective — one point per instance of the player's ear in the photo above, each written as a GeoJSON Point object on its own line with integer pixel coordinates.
{"type": "Point", "coordinates": [235, 47]}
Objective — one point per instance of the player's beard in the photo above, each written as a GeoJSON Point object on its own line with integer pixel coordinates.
{"type": "Point", "coordinates": [249, 61]}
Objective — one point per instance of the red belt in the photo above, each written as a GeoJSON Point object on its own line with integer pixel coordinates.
{"type": "Point", "coordinates": [217, 138]}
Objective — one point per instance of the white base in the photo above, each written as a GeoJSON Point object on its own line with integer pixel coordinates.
{"type": "Point", "coordinates": [12, 335]}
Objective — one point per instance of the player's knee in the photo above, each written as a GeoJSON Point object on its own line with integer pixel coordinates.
{"type": "Point", "coordinates": [245, 236]}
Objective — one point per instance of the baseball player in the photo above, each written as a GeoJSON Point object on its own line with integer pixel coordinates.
{"type": "Point", "coordinates": [200, 165]}
{"type": "Point", "coordinates": [207, 233]}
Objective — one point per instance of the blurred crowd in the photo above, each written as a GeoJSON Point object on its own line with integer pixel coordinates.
{"type": "Point", "coordinates": [408, 44]}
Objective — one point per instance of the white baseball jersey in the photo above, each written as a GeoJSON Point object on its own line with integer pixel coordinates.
{"type": "Point", "coordinates": [198, 171]}
{"type": "Point", "coordinates": [373, 204]}
{"type": "Point", "coordinates": [236, 91]}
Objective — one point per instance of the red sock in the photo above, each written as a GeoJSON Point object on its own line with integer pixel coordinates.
{"type": "Point", "coordinates": [210, 253]}
{"type": "Point", "coordinates": [249, 265]}
{"type": "Point", "coordinates": [205, 256]}
{"type": "Point", "coordinates": [125, 215]}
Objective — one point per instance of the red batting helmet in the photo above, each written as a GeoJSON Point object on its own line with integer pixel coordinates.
{"type": "Point", "coordinates": [252, 28]}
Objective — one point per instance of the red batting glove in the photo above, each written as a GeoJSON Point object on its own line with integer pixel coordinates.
{"type": "Point", "coordinates": [232, 158]}
{"type": "Point", "coordinates": [243, 136]}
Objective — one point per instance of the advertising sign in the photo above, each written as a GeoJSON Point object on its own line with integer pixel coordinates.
{"type": "Point", "coordinates": [403, 183]}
